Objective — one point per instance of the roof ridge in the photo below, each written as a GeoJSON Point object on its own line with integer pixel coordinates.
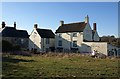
{"type": "Point", "coordinates": [43, 29]}
{"type": "Point", "coordinates": [73, 27]}
{"type": "Point", "coordinates": [8, 27]}
{"type": "Point", "coordinates": [15, 29]}
{"type": "Point", "coordinates": [20, 30]}
{"type": "Point", "coordinates": [74, 23]}
{"type": "Point", "coordinates": [45, 33]}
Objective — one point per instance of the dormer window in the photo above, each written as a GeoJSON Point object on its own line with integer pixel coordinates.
{"type": "Point", "coordinates": [74, 34]}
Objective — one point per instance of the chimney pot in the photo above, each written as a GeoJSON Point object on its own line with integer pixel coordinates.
{"type": "Point", "coordinates": [61, 23]}
{"type": "Point", "coordinates": [94, 27]}
{"type": "Point", "coordinates": [3, 24]}
{"type": "Point", "coordinates": [15, 25]}
{"type": "Point", "coordinates": [35, 26]}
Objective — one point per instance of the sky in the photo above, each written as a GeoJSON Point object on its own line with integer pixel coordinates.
{"type": "Point", "coordinates": [48, 15]}
{"type": "Point", "coordinates": [119, 19]}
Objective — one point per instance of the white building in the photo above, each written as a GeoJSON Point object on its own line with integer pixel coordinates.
{"type": "Point", "coordinates": [79, 37]}
{"type": "Point", "coordinates": [41, 40]}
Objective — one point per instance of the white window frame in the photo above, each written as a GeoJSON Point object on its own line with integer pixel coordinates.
{"type": "Point", "coordinates": [74, 34]}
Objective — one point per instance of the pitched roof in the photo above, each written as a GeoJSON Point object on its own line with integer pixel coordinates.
{"type": "Point", "coordinates": [23, 33]}
{"type": "Point", "coordinates": [72, 27]}
{"type": "Point", "coordinates": [45, 33]}
{"type": "Point", "coordinates": [12, 32]}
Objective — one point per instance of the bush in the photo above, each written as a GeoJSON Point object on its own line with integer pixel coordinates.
{"type": "Point", "coordinates": [6, 46]}
{"type": "Point", "coordinates": [17, 47]}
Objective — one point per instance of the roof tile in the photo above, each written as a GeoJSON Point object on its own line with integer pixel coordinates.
{"type": "Point", "coordinates": [12, 32]}
{"type": "Point", "coordinates": [45, 33]}
{"type": "Point", "coordinates": [72, 27]}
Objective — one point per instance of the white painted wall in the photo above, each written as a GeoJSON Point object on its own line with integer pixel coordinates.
{"type": "Point", "coordinates": [96, 36]}
{"type": "Point", "coordinates": [79, 38]}
{"type": "Point", "coordinates": [67, 39]}
{"type": "Point", "coordinates": [45, 46]}
{"type": "Point", "coordinates": [35, 41]}
{"type": "Point", "coordinates": [99, 46]}
{"type": "Point", "coordinates": [87, 33]}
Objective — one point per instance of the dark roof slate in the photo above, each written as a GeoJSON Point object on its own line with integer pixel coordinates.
{"type": "Point", "coordinates": [45, 33]}
{"type": "Point", "coordinates": [12, 32]}
{"type": "Point", "coordinates": [72, 27]}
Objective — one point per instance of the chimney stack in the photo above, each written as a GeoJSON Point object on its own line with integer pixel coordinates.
{"type": "Point", "coordinates": [3, 24]}
{"type": "Point", "coordinates": [87, 19]}
{"type": "Point", "coordinates": [94, 27]}
{"type": "Point", "coordinates": [15, 25]}
{"type": "Point", "coordinates": [35, 26]}
{"type": "Point", "coordinates": [61, 23]}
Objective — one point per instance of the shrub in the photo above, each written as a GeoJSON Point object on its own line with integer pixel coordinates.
{"type": "Point", "coordinates": [16, 47]}
{"type": "Point", "coordinates": [6, 46]}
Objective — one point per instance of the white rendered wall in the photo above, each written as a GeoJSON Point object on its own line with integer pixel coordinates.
{"type": "Point", "coordinates": [99, 46]}
{"type": "Point", "coordinates": [45, 46]}
{"type": "Point", "coordinates": [35, 41]}
{"type": "Point", "coordinates": [67, 40]}
{"type": "Point", "coordinates": [87, 33]}
{"type": "Point", "coordinates": [96, 36]}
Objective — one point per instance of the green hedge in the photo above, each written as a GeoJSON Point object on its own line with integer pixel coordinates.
{"type": "Point", "coordinates": [7, 46]}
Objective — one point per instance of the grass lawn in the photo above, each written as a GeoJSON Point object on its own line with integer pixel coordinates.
{"type": "Point", "coordinates": [58, 65]}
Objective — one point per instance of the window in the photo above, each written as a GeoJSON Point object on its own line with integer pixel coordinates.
{"type": "Point", "coordinates": [74, 43]}
{"type": "Point", "coordinates": [59, 43]}
{"type": "Point", "coordinates": [74, 34]}
{"type": "Point", "coordinates": [22, 41]}
{"type": "Point", "coordinates": [35, 33]}
{"type": "Point", "coordinates": [47, 40]}
{"type": "Point", "coordinates": [60, 35]}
